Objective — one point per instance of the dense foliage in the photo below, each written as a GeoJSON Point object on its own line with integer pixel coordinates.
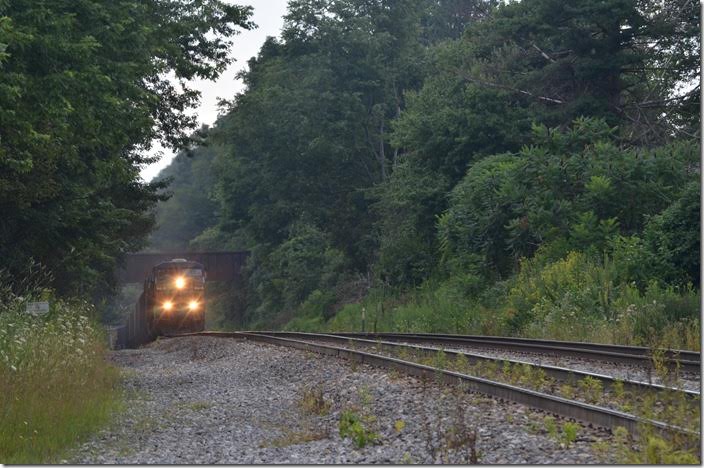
{"type": "Point", "coordinates": [524, 167]}
{"type": "Point", "coordinates": [85, 87]}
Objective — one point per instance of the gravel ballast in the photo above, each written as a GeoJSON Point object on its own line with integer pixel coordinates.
{"type": "Point", "coordinates": [216, 400]}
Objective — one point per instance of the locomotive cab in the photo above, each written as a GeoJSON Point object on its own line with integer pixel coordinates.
{"type": "Point", "coordinates": [176, 297]}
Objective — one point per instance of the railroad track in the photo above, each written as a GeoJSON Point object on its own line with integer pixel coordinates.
{"type": "Point", "coordinates": [561, 374]}
{"type": "Point", "coordinates": [687, 361]}
{"type": "Point", "coordinates": [585, 412]}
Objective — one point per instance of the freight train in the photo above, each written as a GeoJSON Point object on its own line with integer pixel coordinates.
{"type": "Point", "coordinates": [173, 301]}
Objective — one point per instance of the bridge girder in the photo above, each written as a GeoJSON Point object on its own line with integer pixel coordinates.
{"type": "Point", "coordinates": [220, 266]}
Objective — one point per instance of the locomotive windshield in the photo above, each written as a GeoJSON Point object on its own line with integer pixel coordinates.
{"type": "Point", "coordinates": [180, 278]}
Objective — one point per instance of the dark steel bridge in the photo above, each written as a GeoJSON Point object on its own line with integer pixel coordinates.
{"type": "Point", "coordinates": [220, 266]}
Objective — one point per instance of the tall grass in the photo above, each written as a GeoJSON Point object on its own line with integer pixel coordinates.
{"type": "Point", "coordinates": [55, 384]}
{"type": "Point", "coordinates": [575, 298]}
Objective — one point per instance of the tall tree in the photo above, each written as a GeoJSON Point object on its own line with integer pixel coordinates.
{"type": "Point", "coordinates": [84, 90]}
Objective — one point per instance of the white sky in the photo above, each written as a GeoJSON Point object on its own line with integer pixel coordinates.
{"type": "Point", "coordinates": [268, 16]}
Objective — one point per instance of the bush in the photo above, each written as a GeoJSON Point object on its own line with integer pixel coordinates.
{"type": "Point", "coordinates": [580, 298]}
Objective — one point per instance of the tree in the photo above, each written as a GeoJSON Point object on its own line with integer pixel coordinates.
{"type": "Point", "coordinates": [574, 187]}
{"type": "Point", "coordinates": [83, 92]}
{"type": "Point", "coordinates": [191, 207]}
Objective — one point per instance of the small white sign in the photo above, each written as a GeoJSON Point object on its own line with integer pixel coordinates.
{"type": "Point", "coordinates": [37, 308]}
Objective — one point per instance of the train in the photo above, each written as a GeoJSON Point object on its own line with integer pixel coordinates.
{"type": "Point", "coordinates": [172, 301]}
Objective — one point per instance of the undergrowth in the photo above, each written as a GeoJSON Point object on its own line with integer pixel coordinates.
{"type": "Point", "coordinates": [55, 385]}
{"type": "Point", "coordinates": [575, 298]}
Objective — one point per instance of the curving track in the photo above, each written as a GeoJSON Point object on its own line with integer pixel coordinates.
{"type": "Point", "coordinates": [688, 361]}
{"type": "Point", "coordinates": [587, 413]}
{"type": "Point", "coordinates": [562, 374]}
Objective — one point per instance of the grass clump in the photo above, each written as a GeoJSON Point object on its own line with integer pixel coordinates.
{"type": "Point", "coordinates": [653, 449]}
{"type": "Point", "coordinates": [55, 384]}
{"type": "Point", "coordinates": [569, 433]}
{"type": "Point", "coordinates": [313, 401]}
{"type": "Point", "coordinates": [592, 389]}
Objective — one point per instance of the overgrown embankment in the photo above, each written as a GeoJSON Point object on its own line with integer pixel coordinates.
{"type": "Point", "coordinates": [55, 384]}
{"type": "Point", "coordinates": [575, 298]}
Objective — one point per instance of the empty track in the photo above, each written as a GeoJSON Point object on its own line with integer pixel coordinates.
{"type": "Point", "coordinates": [587, 413]}
{"type": "Point", "coordinates": [687, 361]}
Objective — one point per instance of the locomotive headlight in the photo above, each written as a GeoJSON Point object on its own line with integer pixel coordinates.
{"type": "Point", "coordinates": [168, 305]}
{"type": "Point", "coordinates": [193, 305]}
{"type": "Point", "coordinates": [180, 282]}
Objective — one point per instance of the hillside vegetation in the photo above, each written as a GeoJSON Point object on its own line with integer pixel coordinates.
{"type": "Point", "coordinates": [529, 168]}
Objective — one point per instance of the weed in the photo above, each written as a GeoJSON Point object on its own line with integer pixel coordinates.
{"type": "Point", "coordinates": [506, 370]}
{"type": "Point", "coordinates": [460, 435]}
{"type": "Point", "coordinates": [365, 396]}
{"type": "Point", "coordinates": [399, 425]}
{"type": "Point", "coordinates": [394, 375]}
{"type": "Point", "coordinates": [313, 401]}
{"type": "Point", "coordinates": [592, 389]}
{"type": "Point", "coordinates": [197, 406]}
{"type": "Point", "coordinates": [352, 425]}
{"type": "Point", "coordinates": [407, 459]}
{"type": "Point", "coordinates": [56, 385]}
{"type": "Point", "coordinates": [569, 433]}
{"type": "Point", "coordinates": [550, 426]}
{"type": "Point", "coordinates": [439, 361]}
{"type": "Point", "coordinates": [533, 427]}
{"type": "Point", "coordinates": [567, 391]}
{"type": "Point", "coordinates": [540, 380]}
{"type": "Point", "coordinates": [461, 363]}
{"type": "Point", "coordinates": [620, 435]}
{"type": "Point", "coordinates": [619, 391]}
{"type": "Point", "coordinates": [403, 353]}
{"type": "Point", "coordinates": [601, 450]}
{"type": "Point", "coordinates": [294, 438]}
{"type": "Point", "coordinates": [660, 452]}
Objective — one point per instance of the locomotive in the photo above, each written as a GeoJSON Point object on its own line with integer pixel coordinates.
{"type": "Point", "coordinates": [174, 294]}
{"type": "Point", "coordinates": [173, 301]}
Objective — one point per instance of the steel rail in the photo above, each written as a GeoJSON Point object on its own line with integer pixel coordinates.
{"type": "Point", "coordinates": [587, 413]}
{"type": "Point", "coordinates": [612, 348]}
{"type": "Point", "coordinates": [558, 373]}
{"type": "Point", "coordinates": [533, 346]}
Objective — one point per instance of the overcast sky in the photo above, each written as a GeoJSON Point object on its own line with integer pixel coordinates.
{"type": "Point", "coordinates": [268, 16]}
